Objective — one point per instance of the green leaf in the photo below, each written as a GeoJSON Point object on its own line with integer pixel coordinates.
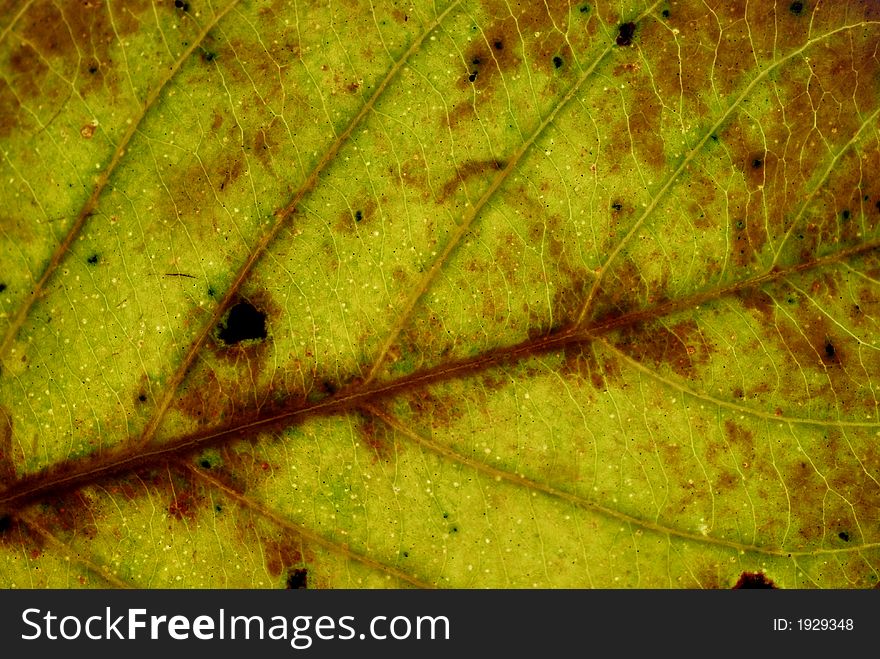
{"type": "Point", "coordinates": [444, 294]}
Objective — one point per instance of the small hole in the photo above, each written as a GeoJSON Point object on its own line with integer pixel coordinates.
{"type": "Point", "coordinates": [557, 61]}
{"type": "Point", "coordinates": [472, 76]}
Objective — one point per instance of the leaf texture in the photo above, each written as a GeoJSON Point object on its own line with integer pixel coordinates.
{"type": "Point", "coordinates": [439, 294]}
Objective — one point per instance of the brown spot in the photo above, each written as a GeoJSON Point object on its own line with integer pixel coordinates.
{"type": "Point", "coordinates": [681, 347]}
{"type": "Point", "coordinates": [362, 213]}
{"type": "Point", "coordinates": [753, 580]}
{"type": "Point", "coordinates": [7, 458]}
{"type": "Point", "coordinates": [186, 495]}
{"type": "Point", "coordinates": [281, 554]}
{"type": "Point", "coordinates": [10, 106]}
{"type": "Point", "coordinates": [757, 300]}
{"type": "Point", "coordinates": [88, 131]}
{"type": "Point", "coordinates": [377, 436]}
{"type": "Point", "coordinates": [470, 169]}
{"type": "Point", "coordinates": [69, 512]}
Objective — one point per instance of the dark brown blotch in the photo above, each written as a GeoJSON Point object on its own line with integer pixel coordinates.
{"type": "Point", "coordinates": [625, 34]}
{"type": "Point", "coordinates": [297, 579]}
{"type": "Point", "coordinates": [754, 580]}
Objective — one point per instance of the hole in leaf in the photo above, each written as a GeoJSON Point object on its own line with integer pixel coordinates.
{"type": "Point", "coordinates": [244, 322]}
{"type": "Point", "coordinates": [585, 8]}
{"type": "Point", "coordinates": [5, 524]}
{"type": "Point", "coordinates": [753, 580]}
{"type": "Point", "coordinates": [845, 214]}
{"type": "Point", "coordinates": [473, 76]}
{"type": "Point", "coordinates": [297, 579]}
{"type": "Point", "coordinates": [180, 4]}
{"type": "Point", "coordinates": [665, 13]}
{"type": "Point", "coordinates": [557, 61]}
{"type": "Point", "coordinates": [617, 206]}
{"type": "Point", "coordinates": [625, 34]}
{"type": "Point", "coordinates": [796, 8]}
{"type": "Point", "coordinates": [757, 163]}
{"type": "Point", "coordinates": [358, 216]}
{"type": "Point", "coordinates": [142, 398]}
{"type": "Point", "coordinates": [92, 260]}
{"type": "Point", "coordinates": [499, 45]}
{"type": "Point", "coordinates": [205, 464]}
{"type": "Point", "coordinates": [2, 287]}
{"type": "Point", "coordinates": [843, 535]}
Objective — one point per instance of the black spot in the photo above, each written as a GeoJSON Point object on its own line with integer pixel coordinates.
{"type": "Point", "coordinates": [243, 323]}
{"type": "Point", "coordinates": [499, 45]}
{"type": "Point", "coordinates": [757, 163]}
{"type": "Point", "coordinates": [753, 580]}
{"type": "Point", "coordinates": [877, 205]}
{"type": "Point", "coordinates": [209, 56]}
{"type": "Point", "coordinates": [211, 291]}
{"type": "Point", "coordinates": [740, 224]}
{"type": "Point", "coordinates": [180, 4]}
{"type": "Point", "coordinates": [205, 464]}
{"type": "Point", "coordinates": [218, 508]}
{"type": "Point", "coordinates": [617, 206]}
{"type": "Point", "coordinates": [328, 387]}
{"type": "Point", "coordinates": [358, 216]}
{"type": "Point", "coordinates": [557, 61]}
{"type": "Point", "coordinates": [5, 524]}
{"type": "Point", "coordinates": [830, 352]}
{"type": "Point", "coordinates": [297, 579]}
{"type": "Point", "coordinates": [665, 13]}
{"type": "Point", "coordinates": [2, 287]}
{"type": "Point", "coordinates": [445, 515]}
{"type": "Point", "coordinates": [142, 398]}
{"type": "Point", "coordinates": [93, 69]}
{"type": "Point", "coordinates": [843, 535]}
{"type": "Point", "coordinates": [714, 137]}
{"type": "Point", "coordinates": [585, 8]}
{"type": "Point", "coordinates": [472, 76]}
{"type": "Point", "coordinates": [796, 8]}
{"type": "Point", "coordinates": [625, 34]}
{"type": "Point", "coordinates": [845, 215]}
{"type": "Point", "coordinates": [406, 554]}
{"type": "Point", "coordinates": [477, 61]}
{"type": "Point", "coordinates": [454, 529]}
{"type": "Point", "coordinates": [92, 260]}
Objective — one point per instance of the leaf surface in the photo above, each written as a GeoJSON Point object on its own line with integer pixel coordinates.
{"type": "Point", "coordinates": [461, 294]}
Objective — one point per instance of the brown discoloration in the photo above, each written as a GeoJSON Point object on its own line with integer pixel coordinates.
{"type": "Point", "coordinates": [619, 293]}
{"type": "Point", "coordinates": [682, 347]}
{"type": "Point", "coordinates": [186, 495]}
{"type": "Point", "coordinates": [29, 68]}
{"type": "Point", "coordinates": [747, 238]}
{"type": "Point", "coordinates": [641, 129]}
{"type": "Point", "coordinates": [7, 457]}
{"type": "Point", "coordinates": [362, 214]}
{"type": "Point", "coordinates": [580, 361]}
{"type": "Point", "coordinates": [10, 108]}
{"type": "Point", "coordinates": [79, 38]}
{"type": "Point", "coordinates": [206, 402]}
{"type": "Point", "coordinates": [465, 171]}
{"type": "Point", "coordinates": [71, 512]}
{"type": "Point", "coordinates": [281, 554]}
{"type": "Point", "coordinates": [757, 300]}
{"type": "Point", "coordinates": [377, 436]}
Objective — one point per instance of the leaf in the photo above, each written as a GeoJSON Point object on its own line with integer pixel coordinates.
{"type": "Point", "coordinates": [443, 294]}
